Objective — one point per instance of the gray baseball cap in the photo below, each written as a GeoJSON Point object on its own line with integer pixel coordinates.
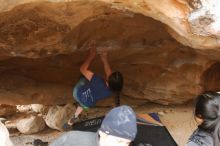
{"type": "Point", "coordinates": [120, 122]}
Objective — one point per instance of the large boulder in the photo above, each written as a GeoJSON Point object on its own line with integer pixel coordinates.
{"type": "Point", "coordinates": [58, 115]}
{"type": "Point", "coordinates": [31, 124]}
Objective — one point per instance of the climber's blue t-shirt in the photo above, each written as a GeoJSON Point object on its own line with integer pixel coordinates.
{"type": "Point", "coordinates": [91, 91]}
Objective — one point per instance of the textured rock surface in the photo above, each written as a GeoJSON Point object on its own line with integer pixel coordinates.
{"type": "Point", "coordinates": [57, 116]}
{"type": "Point", "coordinates": [6, 110]}
{"type": "Point", "coordinates": [42, 45]}
{"type": "Point", "coordinates": [23, 108]}
{"type": "Point", "coordinates": [205, 20]}
{"type": "Point", "coordinates": [31, 124]}
{"type": "Point", "coordinates": [39, 108]}
{"type": "Point", "coordinates": [189, 20]}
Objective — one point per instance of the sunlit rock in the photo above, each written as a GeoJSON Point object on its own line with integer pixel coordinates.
{"type": "Point", "coordinates": [31, 124]}
{"type": "Point", "coordinates": [57, 116]}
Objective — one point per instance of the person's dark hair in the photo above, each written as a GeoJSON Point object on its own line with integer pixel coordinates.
{"type": "Point", "coordinates": [115, 82]}
{"type": "Point", "coordinates": [208, 109]}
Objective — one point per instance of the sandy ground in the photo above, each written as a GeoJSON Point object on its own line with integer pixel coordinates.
{"type": "Point", "coordinates": [178, 119]}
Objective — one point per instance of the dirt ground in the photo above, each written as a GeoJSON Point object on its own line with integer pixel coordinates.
{"type": "Point", "coordinates": [178, 119]}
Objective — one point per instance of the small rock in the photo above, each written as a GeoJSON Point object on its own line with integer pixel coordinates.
{"type": "Point", "coordinates": [38, 142]}
{"type": "Point", "coordinates": [161, 113]}
{"type": "Point", "coordinates": [167, 111]}
{"type": "Point", "coordinates": [23, 108]}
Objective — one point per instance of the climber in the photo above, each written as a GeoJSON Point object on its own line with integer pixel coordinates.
{"type": "Point", "coordinates": [92, 88]}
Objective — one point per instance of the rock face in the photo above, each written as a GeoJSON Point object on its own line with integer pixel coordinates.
{"type": "Point", "coordinates": [4, 135]}
{"type": "Point", "coordinates": [185, 18]}
{"type": "Point", "coordinates": [6, 110]}
{"type": "Point", "coordinates": [31, 124]}
{"type": "Point", "coordinates": [166, 49]}
{"type": "Point", "coordinates": [57, 116]}
{"type": "Point", "coordinates": [205, 20]}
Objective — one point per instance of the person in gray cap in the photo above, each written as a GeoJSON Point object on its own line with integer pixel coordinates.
{"type": "Point", "coordinates": [119, 128]}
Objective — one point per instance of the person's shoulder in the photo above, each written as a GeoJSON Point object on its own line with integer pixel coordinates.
{"type": "Point", "coordinates": [76, 138]}
{"type": "Point", "coordinates": [191, 143]}
{"type": "Point", "coordinates": [80, 134]}
{"type": "Point", "coordinates": [97, 78]}
{"type": "Point", "coordinates": [200, 138]}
